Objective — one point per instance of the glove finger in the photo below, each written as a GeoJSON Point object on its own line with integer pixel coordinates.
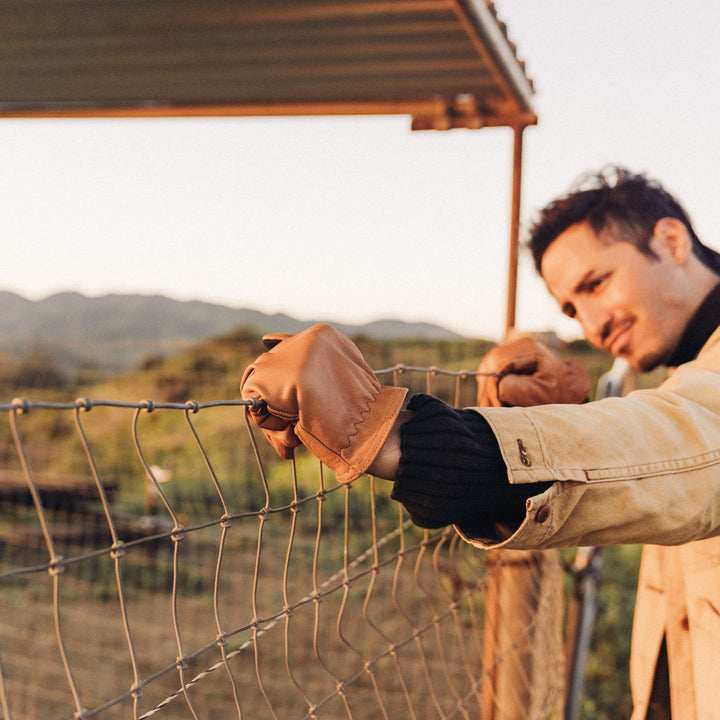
{"type": "Point", "coordinates": [263, 414]}
{"type": "Point", "coordinates": [576, 384]}
{"type": "Point", "coordinates": [569, 383]}
{"type": "Point", "coordinates": [527, 390]}
{"type": "Point", "coordinates": [491, 389]}
{"type": "Point", "coordinates": [283, 441]}
{"type": "Point", "coordinates": [273, 339]}
{"type": "Point", "coordinates": [510, 355]}
{"type": "Point", "coordinates": [523, 365]}
{"type": "Point", "coordinates": [487, 392]}
{"type": "Point", "coordinates": [533, 379]}
{"type": "Point", "coordinates": [279, 431]}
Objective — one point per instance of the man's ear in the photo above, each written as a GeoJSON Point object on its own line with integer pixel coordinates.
{"type": "Point", "coordinates": [671, 239]}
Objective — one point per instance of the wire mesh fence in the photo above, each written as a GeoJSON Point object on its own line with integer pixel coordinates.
{"type": "Point", "coordinates": [156, 560]}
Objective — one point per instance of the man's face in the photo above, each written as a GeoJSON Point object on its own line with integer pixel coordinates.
{"type": "Point", "coordinates": [629, 304]}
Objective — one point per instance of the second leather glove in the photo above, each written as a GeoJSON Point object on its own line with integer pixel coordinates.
{"type": "Point", "coordinates": [523, 372]}
{"type": "Point", "coordinates": [317, 389]}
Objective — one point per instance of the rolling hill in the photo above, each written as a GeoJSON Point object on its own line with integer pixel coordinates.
{"type": "Point", "coordinates": [117, 332]}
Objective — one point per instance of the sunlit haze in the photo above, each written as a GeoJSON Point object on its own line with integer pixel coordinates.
{"type": "Point", "coordinates": [355, 219]}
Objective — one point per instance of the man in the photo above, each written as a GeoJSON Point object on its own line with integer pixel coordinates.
{"type": "Point", "coordinates": [618, 254]}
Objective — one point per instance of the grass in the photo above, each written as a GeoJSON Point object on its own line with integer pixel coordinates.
{"type": "Point", "coordinates": [322, 641]}
{"type": "Point", "coordinates": [301, 655]}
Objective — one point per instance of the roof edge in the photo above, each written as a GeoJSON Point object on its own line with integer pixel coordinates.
{"type": "Point", "coordinates": [494, 32]}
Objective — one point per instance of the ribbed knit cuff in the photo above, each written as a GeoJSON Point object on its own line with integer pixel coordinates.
{"type": "Point", "coordinates": [452, 472]}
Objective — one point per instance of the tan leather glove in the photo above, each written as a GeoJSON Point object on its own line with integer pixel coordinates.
{"type": "Point", "coordinates": [528, 373]}
{"type": "Point", "coordinates": [318, 390]}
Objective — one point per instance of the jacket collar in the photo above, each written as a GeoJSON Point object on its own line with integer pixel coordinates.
{"type": "Point", "coordinates": [701, 326]}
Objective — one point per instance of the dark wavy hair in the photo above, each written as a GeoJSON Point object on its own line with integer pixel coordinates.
{"type": "Point", "coordinates": [627, 204]}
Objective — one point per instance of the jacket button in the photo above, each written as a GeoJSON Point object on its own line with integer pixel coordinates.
{"type": "Point", "coordinates": [543, 514]}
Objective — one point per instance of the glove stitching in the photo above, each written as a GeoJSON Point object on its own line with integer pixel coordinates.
{"type": "Point", "coordinates": [357, 465]}
{"type": "Point", "coordinates": [356, 425]}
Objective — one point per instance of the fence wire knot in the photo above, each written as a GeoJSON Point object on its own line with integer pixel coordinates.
{"type": "Point", "coordinates": [193, 406]}
{"type": "Point", "coordinates": [21, 405]}
{"type": "Point", "coordinates": [84, 404]}
{"type": "Point", "coordinates": [56, 566]}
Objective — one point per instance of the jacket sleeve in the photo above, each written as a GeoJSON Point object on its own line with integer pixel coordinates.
{"type": "Point", "coordinates": [640, 469]}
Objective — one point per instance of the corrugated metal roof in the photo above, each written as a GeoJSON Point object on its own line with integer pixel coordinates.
{"type": "Point", "coordinates": [448, 63]}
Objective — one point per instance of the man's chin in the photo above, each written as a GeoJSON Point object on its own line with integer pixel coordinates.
{"type": "Point", "coordinates": [647, 362]}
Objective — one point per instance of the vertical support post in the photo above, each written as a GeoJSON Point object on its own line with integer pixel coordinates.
{"type": "Point", "coordinates": [514, 228]}
{"type": "Point", "coordinates": [491, 642]}
{"type": "Point", "coordinates": [523, 668]}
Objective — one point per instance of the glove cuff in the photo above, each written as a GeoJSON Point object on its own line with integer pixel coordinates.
{"type": "Point", "coordinates": [372, 427]}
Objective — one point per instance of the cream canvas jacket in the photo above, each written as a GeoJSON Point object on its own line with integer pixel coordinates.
{"type": "Point", "coordinates": [640, 469]}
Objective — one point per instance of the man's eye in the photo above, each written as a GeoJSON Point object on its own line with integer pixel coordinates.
{"type": "Point", "coordinates": [596, 283]}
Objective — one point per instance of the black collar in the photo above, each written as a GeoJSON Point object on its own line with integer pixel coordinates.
{"type": "Point", "coordinates": [701, 326]}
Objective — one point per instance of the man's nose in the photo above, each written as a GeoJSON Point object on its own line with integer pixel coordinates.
{"type": "Point", "coordinates": [595, 322]}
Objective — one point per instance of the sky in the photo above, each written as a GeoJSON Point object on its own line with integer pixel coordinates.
{"type": "Point", "coordinates": [355, 219]}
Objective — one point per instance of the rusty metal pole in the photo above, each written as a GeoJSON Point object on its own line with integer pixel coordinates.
{"type": "Point", "coordinates": [492, 611]}
{"type": "Point", "coordinates": [491, 644]}
{"type": "Point", "coordinates": [514, 228]}
{"type": "Point", "coordinates": [522, 646]}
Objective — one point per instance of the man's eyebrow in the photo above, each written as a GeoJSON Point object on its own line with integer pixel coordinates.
{"type": "Point", "coordinates": [584, 281]}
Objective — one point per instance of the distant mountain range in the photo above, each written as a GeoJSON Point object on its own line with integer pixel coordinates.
{"type": "Point", "coordinates": [118, 332]}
